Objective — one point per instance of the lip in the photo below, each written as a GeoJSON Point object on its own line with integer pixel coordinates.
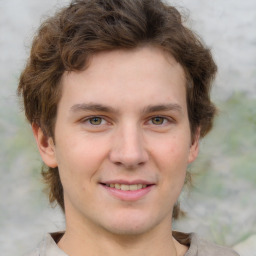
{"type": "Point", "coordinates": [126, 182]}
{"type": "Point", "coordinates": [128, 195]}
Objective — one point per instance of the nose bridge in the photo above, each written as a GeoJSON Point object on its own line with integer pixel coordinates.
{"type": "Point", "coordinates": [128, 148]}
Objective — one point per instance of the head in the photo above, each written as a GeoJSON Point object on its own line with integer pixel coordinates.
{"type": "Point", "coordinates": [68, 41]}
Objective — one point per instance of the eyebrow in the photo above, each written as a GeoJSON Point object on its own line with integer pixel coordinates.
{"type": "Point", "coordinates": [163, 107]}
{"type": "Point", "coordinates": [103, 108]}
{"type": "Point", "coordinates": [92, 107]}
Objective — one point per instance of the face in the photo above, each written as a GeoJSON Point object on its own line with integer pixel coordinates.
{"type": "Point", "coordinates": [122, 141]}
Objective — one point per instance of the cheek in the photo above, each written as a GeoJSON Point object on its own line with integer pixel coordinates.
{"type": "Point", "coordinates": [79, 157]}
{"type": "Point", "coordinates": [77, 167]}
{"type": "Point", "coordinates": [171, 158]}
{"type": "Point", "coordinates": [172, 154]}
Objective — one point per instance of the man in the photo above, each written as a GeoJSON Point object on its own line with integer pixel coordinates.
{"type": "Point", "coordinates": [117, 93]}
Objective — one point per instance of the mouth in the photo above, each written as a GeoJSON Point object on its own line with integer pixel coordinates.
{"type": "Point", "coordinates": [128, 192]}
{"type": "Point", "coordinates": [126, 187]}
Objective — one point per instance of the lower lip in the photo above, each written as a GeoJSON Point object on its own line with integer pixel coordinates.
{"type": "Point", "coordinates": [128, 195]}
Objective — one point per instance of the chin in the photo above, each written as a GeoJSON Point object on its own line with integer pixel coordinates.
{"type": "Point", "coordinates": [131, 225]}
{"type": "Point", "coordinates": [128, 230]}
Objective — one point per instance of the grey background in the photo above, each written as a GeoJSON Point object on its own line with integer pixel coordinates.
{"type": "Point", "coordinates": [221, 206]}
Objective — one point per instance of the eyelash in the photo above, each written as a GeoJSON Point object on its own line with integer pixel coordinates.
{"type": "Point", "coordinates": [164, 120]}
{"type": "Point", "coordinates": [89, 119]}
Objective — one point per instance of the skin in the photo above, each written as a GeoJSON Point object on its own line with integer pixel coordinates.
{"type": "Point", "coordinates": [123, 118]}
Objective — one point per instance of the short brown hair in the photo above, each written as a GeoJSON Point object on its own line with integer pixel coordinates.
{"type": "Point", "coordinates": [66, 41]}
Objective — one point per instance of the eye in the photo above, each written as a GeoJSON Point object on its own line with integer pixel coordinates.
{"type": "Point", "coordinates": [158, 120]}
{"type": "Point", "coordinates": [95, 120]}
{"type": "Point", "coordinates": [95, 123]}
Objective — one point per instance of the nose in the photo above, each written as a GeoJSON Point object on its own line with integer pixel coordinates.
{"type": "Point", "coordinates": [128, 148]}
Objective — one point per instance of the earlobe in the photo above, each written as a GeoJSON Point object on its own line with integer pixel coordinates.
{"type": "Point", "coordinates": [194, 148]}
{"type": "Point", "coordinates": [45, 146]}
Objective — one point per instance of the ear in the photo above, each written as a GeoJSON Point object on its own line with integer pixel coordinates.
{"type": "Point", "coordinates": [45, 145]}
{"type": "Point", "coordinates": [194, 148]}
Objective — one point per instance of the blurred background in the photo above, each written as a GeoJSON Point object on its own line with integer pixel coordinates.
{"type": "Point", "coordinates": [221, 206]}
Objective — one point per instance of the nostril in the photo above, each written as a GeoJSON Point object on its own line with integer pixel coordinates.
{"type": "Point", "coordinates": [118, 163]}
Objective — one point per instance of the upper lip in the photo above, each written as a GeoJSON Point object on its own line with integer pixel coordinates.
{"type": "Point", "coordinates": [127, 182]}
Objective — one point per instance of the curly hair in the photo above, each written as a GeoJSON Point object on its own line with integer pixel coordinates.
{"type": "Point", "coordinates": [66, 41]}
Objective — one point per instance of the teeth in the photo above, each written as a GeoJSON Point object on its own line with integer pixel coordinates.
{"type": "Point", "coordinates": [117, 186]}
{"type": "Point", "coordinates": [126, 187]}
{"type": "Point", "coordinates": [140, 186]}
{"type": "Point", "coordinates": [133, 187]}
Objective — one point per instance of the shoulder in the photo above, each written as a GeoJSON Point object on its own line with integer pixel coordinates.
{"type": "Point", "coordinates": [200, 247]}
{"type": "Point", "coordinates": [48, 247]}
{"type": "Point", "coordinates": [207, 248]}
{"type": "Point", "coordinates": [34, 253]}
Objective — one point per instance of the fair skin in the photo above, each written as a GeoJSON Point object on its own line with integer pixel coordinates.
{"type": "Point", "coordinates": [122, 145]}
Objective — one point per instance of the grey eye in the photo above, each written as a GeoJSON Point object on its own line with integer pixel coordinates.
{"type": "Point", "coordinates": [95, 120]}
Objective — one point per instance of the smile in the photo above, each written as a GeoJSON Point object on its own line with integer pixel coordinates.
{"type": "Point", "coordinates": [126, 187]}
{"type": "Point", "coordinates": [128, 192]}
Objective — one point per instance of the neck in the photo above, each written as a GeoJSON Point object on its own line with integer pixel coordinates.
{"type": "Point", "coordinates": [79, 241]}
{"type": "Point", "coordinates": [86, 237]}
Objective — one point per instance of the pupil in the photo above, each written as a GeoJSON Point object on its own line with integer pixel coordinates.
{"type": "Point", "coordinates": [95, 120]}
{"type": "Point", "coordinates": [158, 120]}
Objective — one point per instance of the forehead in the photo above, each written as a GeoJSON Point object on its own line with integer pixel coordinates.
{"type": "Point", "coordinates": [141, 75]}
{"type": "Point", "coordinates": [147, 58]}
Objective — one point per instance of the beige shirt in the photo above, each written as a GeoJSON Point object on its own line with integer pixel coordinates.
{"type": "Point", "coordinates": [197, 246]}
